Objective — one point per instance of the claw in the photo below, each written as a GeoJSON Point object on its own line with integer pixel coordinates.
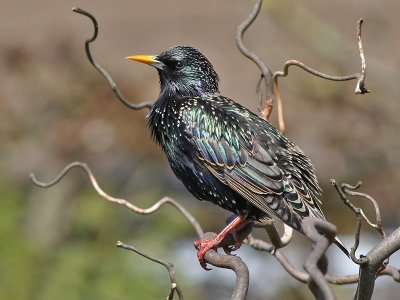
{"type": "Point", "coordinates": [204, 245]}
{"type": "Point", "coordinates": [228, 251]}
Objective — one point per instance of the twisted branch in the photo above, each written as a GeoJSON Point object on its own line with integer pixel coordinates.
{"type": "Point", "coordinates": [322, 233]}
{"type": "Point", "coordinates": [101, 70]}
{"type": "Point", "coordinates": [130, 206]}
{"type": "Point", "coordinates": [265, 107]}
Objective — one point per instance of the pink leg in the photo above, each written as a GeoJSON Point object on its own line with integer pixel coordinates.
{"type": "Point", "coordinates": [203, 246]}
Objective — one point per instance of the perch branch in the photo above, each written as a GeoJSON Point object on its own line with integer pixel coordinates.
{"type": "Point", "coordinates": [101, 70]}
{"type": "Point", "coordinates": [232, 262]}
{"type": "Point", "coordinates": [265, 107]}
{"type": "Point", "coordinates": [167, 265]}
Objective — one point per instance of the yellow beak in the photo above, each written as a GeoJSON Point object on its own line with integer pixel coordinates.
{"type": "Point", "coordinates": [151, 60]}
{"type": "Point", "coordinates": [146, 59]}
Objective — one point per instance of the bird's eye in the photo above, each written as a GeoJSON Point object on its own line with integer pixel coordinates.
{"type": "Point", "coordinates": [178, 65]}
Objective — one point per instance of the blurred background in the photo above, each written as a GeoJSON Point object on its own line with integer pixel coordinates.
{"type": "Point", "coordinates": [59, 243]}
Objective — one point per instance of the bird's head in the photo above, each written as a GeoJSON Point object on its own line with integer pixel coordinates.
{"type": "Point", "coordinates": [183, 70]}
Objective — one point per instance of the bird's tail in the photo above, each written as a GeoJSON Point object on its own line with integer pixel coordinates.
{"type": "Point", "coordinates": [341, 246]}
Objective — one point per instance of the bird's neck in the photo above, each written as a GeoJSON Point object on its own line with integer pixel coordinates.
{"type": "Point", "coordinates": [187, 87]}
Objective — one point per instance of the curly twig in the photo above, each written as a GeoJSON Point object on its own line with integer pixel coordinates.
{"type": "Point", "coordinates": [167, 265]}
{"type": "Point", "coordinates": [102, 71]}
{"type": "Point", "coordinates": [359, 214]}
{"type": "Point", "coordinates": [360, 87]}
{"type": "Point", "coordinates": [350, 190]}
{"type": "Point", "coordinates": [347, 189]}
{"type": "Point", "coordinates": [123, 202]}
{"type": "Point", "coordinates": [265, 108]}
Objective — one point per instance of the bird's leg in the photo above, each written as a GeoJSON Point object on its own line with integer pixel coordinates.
{"type": "Point", "coordinates": [203, 245]}
{"type": "Point", "coordinates": [238, 236]}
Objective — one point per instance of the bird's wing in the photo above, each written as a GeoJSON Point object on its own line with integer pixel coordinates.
{"type": "Point", "coordinates": [250, 156]}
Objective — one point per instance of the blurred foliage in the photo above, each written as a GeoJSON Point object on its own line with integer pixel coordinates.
{"type": "Point", "coordinates": [59, 243]}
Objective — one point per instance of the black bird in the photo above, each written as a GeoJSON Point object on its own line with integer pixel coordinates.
{"type": "Point", "coordinates": [224, 153]}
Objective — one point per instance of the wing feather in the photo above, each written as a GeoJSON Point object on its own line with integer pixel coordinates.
{"type": "Point", "coordinates": [253, 159]}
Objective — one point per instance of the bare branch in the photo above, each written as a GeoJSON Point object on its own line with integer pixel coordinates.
{"type": "Point", "coordinates": [350, 190]}
{"type": "Point", "coordinates": [101, 70]}
{"type": "Point", "coordinates": [302, 276]}
{"type": "Point", "coordinates": [346, 189]}
{"type": "Point", "coordinates": [276, 240]}
{"type": "Point", "coordinates": [376, 258]}
{"type": "Point", "coordinates": [265, 107]}
{"type": "Point", "coordinates": [350, 279]}
{"type": "Point", "coordinates": [322, 233]}
{"type": "Point", "coordinates": [358, 214]}
{"type": "Point", "coordinates": [360, 87]}
{"type": "Point", "coordinates": [273, 234]}
{"type": "Point", "coordinates": [232, 262]}
{"type": "Point", "coordinates": [123, 202]}
{"type": "Point", "coordinates": [169, 266]}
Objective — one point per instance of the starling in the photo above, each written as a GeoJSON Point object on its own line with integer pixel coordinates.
{"type": "Point", "coordinates": [224, 153]}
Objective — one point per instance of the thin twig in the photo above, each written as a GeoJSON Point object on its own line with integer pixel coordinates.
{"type": "Point", "coordinates": [120, 201]}
{"type": "Point", "coordinates": [169, 266]}
{"type": "Point", "coordinates": [360, 77]}
{"type": "Point", "coordinates": [101, 70]}
{"type": "Point", "coordinates": [351, 279]}
{"type": "Point", "coordinates": [265, 108]}
{"type": "Point", "coordinates": [350, 190]}
{"type": "Point", "coordinates": [360, 88]}
{"type": "Point", "coordinates": [358, 212]}
{"type": "Point", "coordinates": [347, 189]}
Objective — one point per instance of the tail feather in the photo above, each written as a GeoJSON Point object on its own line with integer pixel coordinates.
{"type": "Point", "coordinates": [341, 246]}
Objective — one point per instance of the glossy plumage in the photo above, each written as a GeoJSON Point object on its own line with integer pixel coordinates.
{"type": "Point", "coordinates": [224, 153]}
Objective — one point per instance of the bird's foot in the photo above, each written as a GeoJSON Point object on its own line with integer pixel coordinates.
{"type": "Point", "coordinates": [204, 245]}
